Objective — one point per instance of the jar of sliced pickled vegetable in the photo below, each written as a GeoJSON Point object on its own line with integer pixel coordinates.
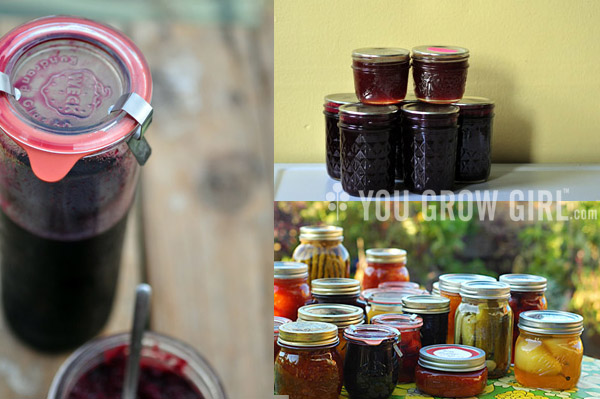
{"type": "Point", "coordinates": [278, 321]}
{"type": "Point", "coordinates": [384, 264]}
{"type": "Point", "coordinates": [291, 290]}
{"type": "Point", "coordinates": [308, 365]}
{"type": "Point", "coordinates": [484, 320]}
{"type": "Point", "coordinates": [433, 310]}
{"type": "Point", "coordinates": [549, 351]}
{"type": "Point", "coordinates": [526, 293]}
{"type": "Point", "coordinates": [338, 290]}
{"type": "Point", "coordinates": [322, 250]}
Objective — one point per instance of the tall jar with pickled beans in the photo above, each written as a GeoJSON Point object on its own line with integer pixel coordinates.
{"type": "Point", "coordinates": [338, 290]}
{"type": "Point", "coordinates": [322, 250]}
{"type": "Point", "coordinates": [433, 310]}
{"type": "Point", "coordinates": [308, 365]}
{"type": "Point", "coordinates": [484, 320]}
{"type": "Point", "coordinates": [332, 132]}
{"type": "Point", "coordinates": [449, 287]}
{"type": "Point", "coordinates": [526, 293]}
{"type": "Point", "coordinates": [383, 265]}
{"type": "Point", "coordinates": [277, 322]}
{"type": "Point", "coordinates": [549, 352]}
{"type": "Point", "coordinates": [291, 289]}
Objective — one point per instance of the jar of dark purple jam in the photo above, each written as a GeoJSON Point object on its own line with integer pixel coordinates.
{"type": "Point", "coordinates": [409, 99]}
{"type": "Point", "coordinates": [380, 74]}
{"type": "Point", "coordinates": [429, 142]}
{"type": "Point", "coordinates": [368, 137]}
{"type": "Point", "coordinates": [332, 132]}
{"type": "Point", "coordinates": [473, 156]}
{"type": "Point", "coordinates": [440, 73]}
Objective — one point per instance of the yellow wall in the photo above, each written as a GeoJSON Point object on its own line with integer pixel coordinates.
{"type": "Point", "coordinates": [538, 59]}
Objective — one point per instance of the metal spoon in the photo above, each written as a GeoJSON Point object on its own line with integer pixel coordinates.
{"type": "Point", "coordinates": [141, 311]}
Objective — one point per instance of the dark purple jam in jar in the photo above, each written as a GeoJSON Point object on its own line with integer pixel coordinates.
{"type": "Point", "coordinates": [429, 142]}
{"type": "Point", "coordinates": [380, 74]}
{"type": "Point", "coordinates": [368, 137]}
{"type": "Point", "coordinates": [332, 132]}
{"type": "Point", "coordinates": [473, 158]}
{"type": "Point", "coordinates": [410, 99]}
{"type": "Point", "coordinates": [440, 73]}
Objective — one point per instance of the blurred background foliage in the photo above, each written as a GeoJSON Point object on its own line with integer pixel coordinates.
{"type": "Point", "coordinates": [565, 252]}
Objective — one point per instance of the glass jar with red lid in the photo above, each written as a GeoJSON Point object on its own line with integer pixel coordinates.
{"type": "Point", "coordinates": [400, 285]}
{"type": "Point", "coordinates": [433, 310]}
{"type": "Point", "coordinates": [278, 321]}
{"type": "Point", "coordinates": [332, 132]}
{"type": "Point", "coordinates": [410, 341]}
{"type": "Point", "coordinates": [440, 73]}
{"type": "Point", "coordinates": [322, 249]}
{"type": "Point", "coordinates": [527, 292]}
{"type": "Point", "coordinates": [368, 136]}
{"type": "Point", "coordinates": [383, 265]}
{"type": "Point", "coordinates": [451, 371]}
{"type": "Point", "coordinates": [291, 289]}
{"type": "Point", "coordinates": [380, 74]}
{"type": "Point", "coordinates": [72, 118]}
{"type": "Point", "coordinates": [429, 142]}
{"type": "Point", "coordinates": [338, 290]}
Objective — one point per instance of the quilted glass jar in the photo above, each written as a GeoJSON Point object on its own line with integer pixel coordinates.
{"type": "Point", "coordinates": [332, 132]}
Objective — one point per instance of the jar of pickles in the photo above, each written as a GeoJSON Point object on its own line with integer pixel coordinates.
{"type": "Point", "coordinates": [332, 132]}
{"type": "Point", "coordinates": [291, 290]}
{"type": "Point", "coordinates": [433, 310]}
{"type": "Point", "coordinates": [549, 352]}
{"type": "Point", "coordinates": [278, 321]}
{"type": "Point", "coordinates": [308, 365]}
{"type": "Point", "coordinates": [322, 250]}
{"type": "Point", "coordinates": [526, 293]}
{"type": "Point", "coordinates": [484, 320]}
{"type": "Point", "coordinates": [338, 290]}
{"type": "Point", "coordinates": [384, 264]}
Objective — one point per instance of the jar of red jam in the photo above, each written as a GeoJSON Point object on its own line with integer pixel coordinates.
{"type": "Point", "coordinates": [291, 289]}
{"type": "Point", "coordinates": [384, 264]}
{"type": "Point", "coordinates": [338, 290]}
{"type": "Point", "coordinates": [332, 132]}
{"type": "Point", "coordinates": [322, 250]}
{"type": "Point", "coordinates": [473, 157]}
{"type": "Point", "coordinates": [526, 293]}
{"type": "Point", "coordinates": [399, 285]}
{"type": "Point", "coordinates": [277, 323]}
{"type": "Point", "coordinates": [440, 73]}
{"type": "Point", "coordinates": [368, 137]}
{"type": "Point", "coordinates": [433, 310]}
{"type": "Point", "coordinates": [451, 371]}
{"type": "Point", "coordinates": [429, 142]}
{"type": "Point", "coordinates": [380, 74]}
{"type": "Point", "coordinates": [308, 365]}
{"type": "Point", "coordinates": [410, 341]}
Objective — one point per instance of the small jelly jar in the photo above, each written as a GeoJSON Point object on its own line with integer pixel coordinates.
{"type": "Point", "coordinates": [380, 74]}
{"type": "Point", "coordinates": [291, 289]}
{"type": "Point", "coordinates": [278, 321]}
{"type": "Point", "coordinates": [440, 73]}
{"type": "Point", "coordinates": [332, 132]}
{"type": "Point", "coordinates": [451, 371]}
{"type": "Point", "coordinates": [410, 341]}
{"type": "Point", "coordinates": [368, 137]}
{"type": "Point", "coordinates": [400, 285]}
{"type": "Point", "coordinates": [473, 156]}
{"type": "Point", "coordinates": [372, 361]}
{"type": "Point", "coordinates": [384, 264]}
{"type": "Point", "coordinates": [433, 310]}
{"type": "Point", "coordinates": [526, 293]}
{"type": "Point", "coordinates": [338, 290]}
{"type": "Point", "coordinates": [549, 352]}
{"type": "Point", "coordinates": [308, 365]}
{"type": "Point", "coordinates": [429, 142]}
{"type": "Point", "coordinates": [450, 288]}
{"type": "Point", "coordinates": [410, 99]}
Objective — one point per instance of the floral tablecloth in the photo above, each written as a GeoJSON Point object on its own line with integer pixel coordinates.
{"type": "Point", "coordinates": [508, 388]}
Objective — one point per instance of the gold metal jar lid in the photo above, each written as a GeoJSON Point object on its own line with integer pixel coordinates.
{"type": "Point", "coordinates": [364, 109]}
{"type": "Point", "coordinates": [290, 270]}
{"type": "Point", "coordinates": [452, 358]}
{"type": "Point", "coordinates": [439, 53]}
{"type": "Point", "coordinates": [381, 54]}
{"type": "Point", "coordinates": [341, 98]}
{"type": "Point", "coordinates": [338, 314]}
{"type": "Point", "coordinates": [480, 289]}
{"type": "Point", "coordinates": [307, 334]}
{"type": "Point", "coordinates": [335, 287]}
{"type": "Point", "coordinates": [452, 282]}
{"type": "Point", "coordinates": [324, 233]}
{"type": "Point", "coordinates": [429, 109]}
{"type": "Point", "coordinates": [425, 304]}
{"type": "Point", "coordinates": [524, 282]}
{"type": "Point", "coordinates": [551, 322]}
{"type": "Point", "coordinates": [386, 255]}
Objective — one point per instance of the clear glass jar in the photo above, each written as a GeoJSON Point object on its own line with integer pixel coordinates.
{"type": "Point", "coordinates": [338, 290]}
{"type": "Point", "coordinates": [278, 321]}
{"type": "Point", "coordinates": [400, 285]}
{"type": "Point", "coordinates": [322, 250]}
{"type": "Point", "coordinates": [549, 352]}
{"type": "Point", "coordinates": [332, 132]}
{"type": "Point", "coordinates": [433, 310]}
{"type": "Point", "coordinates": [435, 288]}
{"type": "Point", "coordinates": [291, 289]}
{"type": "Point", "coordinates": [484, 320]}
{"type": "Point", "coordinates": [385, 301]}
{"type": "Point", "coordinates": [383, 265]}
{"type": "Point", "coordinates": [164, 360]}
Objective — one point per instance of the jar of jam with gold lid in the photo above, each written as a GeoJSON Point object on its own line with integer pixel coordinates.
{"type": "Point", "coordinates": [440, 73]}
{"type": "Point", "coordinates": [332, 132]}
{"type": "Point", "coordinates": [291, 289]}
{"type": "Point", "coordinates": [380, 74]}
{"type": "Point", "coordinates": [368, 136]}
{"type": "Point", "coordinates": [384, 265]}
{"type": "Point", "coordinates": [338, 290]}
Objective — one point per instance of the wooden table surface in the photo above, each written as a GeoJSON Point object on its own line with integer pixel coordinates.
{"type": "Point", "coordinates": [200, 229]}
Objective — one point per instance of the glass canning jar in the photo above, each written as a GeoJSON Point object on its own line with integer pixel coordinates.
{"type": "Point", "coordinates": [291, 289]}
{"type": "Point", "coordinates": [434, 312]}
{"type": "Point", "coordinates": [332, 132]}
{"type": "Point", "coordinates": [385, 301]}
{"type": "Point", "coordinates": [338, 290]}
{"type": "Point", "coordinates": [400, 285]}
{"type": "Point", "coordinates": [410, 99]}
{"type": "Point", "coordinates": [278, 321]}
{"type": "Point", "coordinates": [383, 265]}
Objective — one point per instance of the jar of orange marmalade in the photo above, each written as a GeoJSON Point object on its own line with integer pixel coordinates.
{"type": "Point", "coordinates": [383, 265]}
{"type": "Point", "coordinates": [291, 290]}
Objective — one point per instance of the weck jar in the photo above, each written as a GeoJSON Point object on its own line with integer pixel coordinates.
{"type": "Point", "coordinates": [332, 132]}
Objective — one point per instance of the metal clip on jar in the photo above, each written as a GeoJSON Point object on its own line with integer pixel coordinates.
{"type": "Point", "coordinates": [473, 157]}
{"type": "Point", "coordinates": [322, 250]}
{"type": "Point", "coordinates": [368, 136]}
{"type": "Point", "coordinates": [277, 322]}
{"type": "Point", "coordinates": [549, 352]}
{"type": "Point", "coordinates": [308, 365]}
{"type": "Point", "coordinates": [338, 290]}
{"type": "Point", "coordinates": [380, 74]}
{"type": "Point", "coordinates": [291, 289]}
{"type": "Point", "coordinates": [451, 371]}
{"type": "Point", "coordinates": [383, 265]}
{"type": "Point", "coordinates": [429, 142]}
{"type": "Point", "coordinates": [440, 73]}
{"type": "Point", "coordinates": [332, 132]}
{"type": "Point", "coordinates": [433, 310]}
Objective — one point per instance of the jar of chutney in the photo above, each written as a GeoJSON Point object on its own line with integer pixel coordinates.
{"type": "Point", "coordinates": [322, 250]}
{"type": "Point", "coordinates": [440, 73]}
{"type": "Point", "coordinates": [383, 265]}
{"type": "Point", "coordinates": [433, 310]}
{"type": "Point", "coordinates": [338, 290]}
{"type": "Point", "coordinates": [332, 132]}
{"type": "Point", "coordinates": [291, 289]}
